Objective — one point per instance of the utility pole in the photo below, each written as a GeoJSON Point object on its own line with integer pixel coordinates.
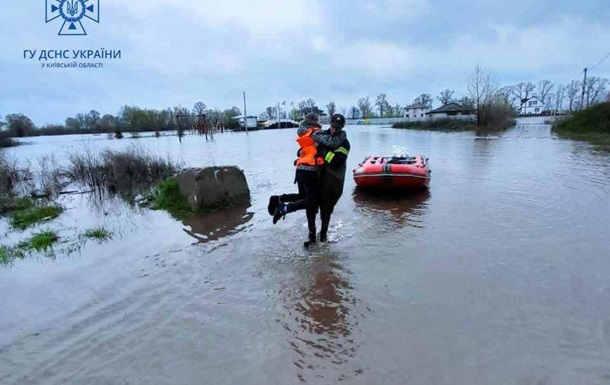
{"type": "Point", "coordinates": [245, 114]}
{"type": "Point", "coordinates": [582, 97]}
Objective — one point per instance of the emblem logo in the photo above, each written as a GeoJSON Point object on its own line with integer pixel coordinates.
{"type": "Point", "coordinates": [72, 12]}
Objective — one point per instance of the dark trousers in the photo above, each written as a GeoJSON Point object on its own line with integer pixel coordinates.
{"type": "Point", "coordinates": [331, 189]}
{"type": "Point", "coordinates": [307, 198]}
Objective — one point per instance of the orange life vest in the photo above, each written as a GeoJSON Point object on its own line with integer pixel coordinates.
{"type": "Point", "coordinates": [308, 154]}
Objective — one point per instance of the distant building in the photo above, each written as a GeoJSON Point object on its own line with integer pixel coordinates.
{"type": "Point", "coordinates": [533, 106]}
{"type": "Point", "coordinates": [416, 111]}
{"type": "Point", "coordinates": [251, 120]}
{"type": "Point", "coordinates": [451, 110]}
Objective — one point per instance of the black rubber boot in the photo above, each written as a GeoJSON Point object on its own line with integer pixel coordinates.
{"type": "Point", "coordinates": [324, 230]}
{"type": "Point", "coordinates": [324, 233]}
{"type": "Point", "coordinates": [311, 240]}
{"type": "Point", "coordinates": [311, 225]}
{"type": "Point", "coordinates": [274, 200]}
{"type": "Point", "coordinates": [280, 212]}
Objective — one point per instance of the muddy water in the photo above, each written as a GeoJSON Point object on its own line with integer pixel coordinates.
{"type": "Point", "coordinates": [499, 274]}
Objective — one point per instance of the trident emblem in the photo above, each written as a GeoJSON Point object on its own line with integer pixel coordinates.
{"type": "Point", "coordinates": [72, 8]}
{"type": "Point", "coordinates": [74, 13]}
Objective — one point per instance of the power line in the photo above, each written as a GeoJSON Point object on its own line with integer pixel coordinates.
{"type": "Point", "coordinates": [599, 62]}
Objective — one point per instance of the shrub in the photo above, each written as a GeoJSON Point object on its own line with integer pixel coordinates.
{"type": "Point", "coordinates": [120, 172]}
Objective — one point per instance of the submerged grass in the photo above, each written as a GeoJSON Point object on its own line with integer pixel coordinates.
{"type": "Point", "coordinates": [41, 241]}
{"type": "Point", "coordinates": [597, 138]}
{"type": "Point", "coordinates": [98, 233]}
{"type": "Point", "coordinates": [30, 215]}
{"type": "Point", "coordinates": [9, 204]}
{"type": "Point", "coordinates": [5, 255]}
{"type": "Point", "coordinates": [9, 254]}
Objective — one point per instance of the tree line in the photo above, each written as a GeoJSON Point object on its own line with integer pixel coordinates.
{"type": "Point", "coordinates": [556, 98]}
{"type": "Point", "coordinates": [482, 94]}
{"type": "Point", "coordinates": [130, 119]}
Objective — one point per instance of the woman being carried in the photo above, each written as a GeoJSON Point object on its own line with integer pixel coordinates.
{"type": "Point", "coordinates": [307, 176]}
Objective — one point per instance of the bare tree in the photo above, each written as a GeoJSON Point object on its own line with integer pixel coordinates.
{"type": "Point", "coordinates": [331, 108]}
{"type": "Point", "coordinates": [466, 102]}
{"type": "Point", "coordinates": [594, 88]}
{"type": "Point", "coordinates": [82, 120]}
{"type": "Point", "coordinates": [199, 108]}
{"type": "Point", "coordinates": [544, 88]}
{"type": "Point", "coordinates": [523, 92]}
{"type": "Point", "coordinates": [307, 104]}
{"type": "Point", "coordinates": [559, 97]}
{"type": "Point", "coordinates": [183, 121]}
{"type": "Point", "coordinates": [270, 111]}
{"type": "Point", "coordinates": [425, 99]}
{"type": "Point", "coordinates": [572, 90]}
{"type": "Point", "coordinates": [92, 119]}
{"type": "Point", "coordinates": [382, 104]}
{"type": "Point", "coordinates": [445, 96]}
{"type": "Point", "coordinates": [364, 104]}
{"type": "Point", "coordinates": [480, 90]}
{"type": "Point", "coordinates": [398, 111]}
{"type": "Point", "coordinates": [355, 112]}
{"type": "Point", "coordinates": [507, 95]}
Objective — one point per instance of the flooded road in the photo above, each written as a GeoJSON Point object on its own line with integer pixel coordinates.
{"type": "Point", "coordinates": [499, 274]}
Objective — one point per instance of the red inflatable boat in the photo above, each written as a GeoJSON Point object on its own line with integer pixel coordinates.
{"type": "Point", "coordinates": [393, 172]}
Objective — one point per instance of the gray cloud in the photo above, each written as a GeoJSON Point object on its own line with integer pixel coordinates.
{"type": "Point", "coordinates": [179, 52]}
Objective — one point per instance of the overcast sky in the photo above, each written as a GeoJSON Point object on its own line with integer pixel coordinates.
{"type": "Point", "coordinates": [179, 52]}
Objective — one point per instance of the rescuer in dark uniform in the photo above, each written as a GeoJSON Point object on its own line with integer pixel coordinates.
{"type": "Point", "coordinates": [332, 175]}
{"type": "Point", "coordinates": [320, 175]}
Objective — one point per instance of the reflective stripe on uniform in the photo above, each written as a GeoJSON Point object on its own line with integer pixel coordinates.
{"type": "Point", "coordinates": [329, 157]}
{"type": "Point", "coordinates": [343, 150]}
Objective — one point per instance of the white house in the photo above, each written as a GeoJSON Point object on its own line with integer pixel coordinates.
{"type": "Point", "coordinates": [416, 112]}
{"type": "Point", "coordinates": [533, 106]}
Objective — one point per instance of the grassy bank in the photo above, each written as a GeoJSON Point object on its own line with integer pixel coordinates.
{"type": "Point", "coordinates": [591, 125]}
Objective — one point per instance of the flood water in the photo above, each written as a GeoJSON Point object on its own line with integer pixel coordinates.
{"type": "Point", "coordinates": [499, 274]}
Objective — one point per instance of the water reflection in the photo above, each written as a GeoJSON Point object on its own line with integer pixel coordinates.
{"type": "Point", "coordinates": [403, 208]}
{"type": "Point", "coordinates": [213, 226]}
{"type": "Point", "coordinates": [321, 321]}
